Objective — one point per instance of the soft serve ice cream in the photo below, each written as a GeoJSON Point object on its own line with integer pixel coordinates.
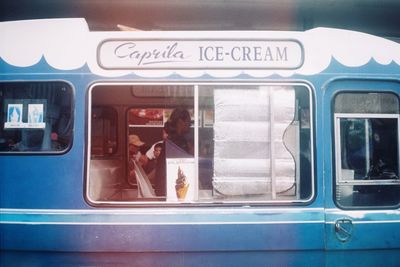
{"type": "Point", "coordinates": [182, 185]}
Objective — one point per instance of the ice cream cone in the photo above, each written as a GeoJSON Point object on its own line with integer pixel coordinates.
{"type": "Point", "coordinates": [181, 192]}
{"type": "Point", "coordinates": [182, 185]}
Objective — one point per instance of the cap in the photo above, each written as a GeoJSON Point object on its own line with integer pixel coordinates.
{"type": "Point", "coordinates": [135, 140]}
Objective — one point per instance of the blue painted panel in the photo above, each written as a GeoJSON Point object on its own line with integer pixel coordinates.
{"type": "Point", "coordinates": [167, 238]}
{"type": "Point", "coordinates": [366, 235]}
{"type": "Point", "coordinates": [158, 230]}
{"type": "Point", "coordinates": [371, 228]}
{"type": "Point", "coordinates": [387, 258]}
{"type": "Point", "coordinates": [48, 181]}
{"type": "Point", "coordinates": [365, 258]}
{"type": "Point", "coordinates": [207, 258]}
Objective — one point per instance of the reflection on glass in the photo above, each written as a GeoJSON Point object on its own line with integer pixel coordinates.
{"type": "Point", "coordinates": [369, 147]}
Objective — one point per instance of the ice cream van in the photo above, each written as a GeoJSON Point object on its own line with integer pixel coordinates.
{"type": "Point", "coordinates": [198, 148]}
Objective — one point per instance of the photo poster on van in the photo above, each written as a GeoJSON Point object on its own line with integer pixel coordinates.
{"type": "Point", "coordinates": [14, 116]}
{"type": "Point", "coordinates": [181, 179]}
{"type": "Point", "coordinates": [25, 113]}
{"type": "Point", "coordinates": [35, 116]}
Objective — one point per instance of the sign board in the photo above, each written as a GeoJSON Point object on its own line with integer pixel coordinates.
{"type": "Point", "coordinates": [200, 54]}
{"type": "Point", "coordinates": [181, 184]}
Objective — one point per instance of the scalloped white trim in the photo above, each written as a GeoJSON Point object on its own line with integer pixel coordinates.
{"type": "Point", "coordinates": [67, 44]}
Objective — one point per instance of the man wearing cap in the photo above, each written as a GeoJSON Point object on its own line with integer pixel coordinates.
{"type": "Point", "coordinates": [135, 143]}
{"type": "Point", "coordinates": [134, 147]}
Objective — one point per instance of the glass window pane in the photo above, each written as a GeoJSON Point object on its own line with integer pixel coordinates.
{"type": "Point", "coordinates": [368, 160]}
{"type": "Point", "coordinates": [367, 148]}
{"type": "Point", "coordinates": [35, 117]}
{"type": "Point", "coordinates": [254, 143]}
{"type": "Point", "coordinates": [142, 170]}
{"type": "Point", "coordinates": [104, 131]}
{"type": "Point", "coordinates": [161, 140]}
{"type": "Point", "coordinates": [380, 103]}
{"type": "Point", "coordinates": [204, 144]}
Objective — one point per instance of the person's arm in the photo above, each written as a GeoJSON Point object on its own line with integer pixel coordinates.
{"type": "Point", "coordinates": [131, 167]}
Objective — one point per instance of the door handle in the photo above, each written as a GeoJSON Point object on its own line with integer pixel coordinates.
{"type": "Point", "coordinates": [343, 229]}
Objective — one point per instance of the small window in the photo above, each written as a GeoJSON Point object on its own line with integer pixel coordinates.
{"type": "Point", "coordinates": [35, 117]}
{"type": "Point", "coordinates": [207, 144]}
{"type": "Point", "coordinates": [367, 149]}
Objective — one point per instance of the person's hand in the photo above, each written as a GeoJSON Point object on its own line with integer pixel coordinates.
{"type": "Point", "coordinates": [143, 160]}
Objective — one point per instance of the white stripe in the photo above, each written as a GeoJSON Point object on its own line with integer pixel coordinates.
{"type": "Point", "coordinates": [369, 222]}
{"type": "Point", "coordinates": [349, 212]}
{"type": "Point", "coordinates": [162, 223]}
{"type": "Point", "coordinates": [165, 211]}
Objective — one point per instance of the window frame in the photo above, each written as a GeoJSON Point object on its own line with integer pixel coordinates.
{"type": "Point", "coordinates": [378, 88]}
{"type": "Point", "coordinates": [72, 89]}
{"type": "Point", "coordinates": [206, 203]}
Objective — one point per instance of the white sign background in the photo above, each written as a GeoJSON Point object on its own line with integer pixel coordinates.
{"type": "Point", "coordinates": [202, 54]}
{"type": "Point", "coordinates": [187, 166]}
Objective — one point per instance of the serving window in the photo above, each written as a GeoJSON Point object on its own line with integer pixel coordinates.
{"type": "Point", "coordinates": [367, 149]}
{"type": "Point", "coordinates": [206, 144]}
{"type": "Point", "coordinates": [35, 117]}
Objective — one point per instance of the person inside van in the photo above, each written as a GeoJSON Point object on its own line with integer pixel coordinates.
{"type": "Point", "coordinates": [135, 155]}
{"type": "Point", "coordinates": [151, 164]}
{"type": "Point", "coordinates": [150, 154]}
{"type": "Point", "coordinates": [178, 128]}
